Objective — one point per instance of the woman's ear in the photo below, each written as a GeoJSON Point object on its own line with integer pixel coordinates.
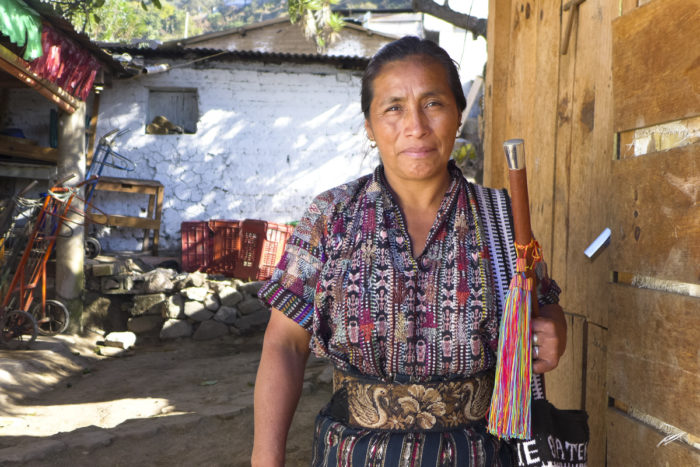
{"type": "Point", "coordinates": [368, 129]}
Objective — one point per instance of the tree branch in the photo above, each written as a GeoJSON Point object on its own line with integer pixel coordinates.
{"type": "Point", "coordinates": [476, 26]}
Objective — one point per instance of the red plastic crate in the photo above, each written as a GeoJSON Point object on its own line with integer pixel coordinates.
{"type": "Point", "coordinates": [226, 246]}
{"type": "Point", "coordinates": [261, 247]}
{"type": "Point", "coordinates": [196, 245]}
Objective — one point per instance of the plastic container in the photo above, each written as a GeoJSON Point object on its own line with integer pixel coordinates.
{"type": "Point", "coordinates": [261, 246]}
{"type": "Point", "coordinates": [226, 246]}
{"type": "Point", "coordinates": [196, 246]}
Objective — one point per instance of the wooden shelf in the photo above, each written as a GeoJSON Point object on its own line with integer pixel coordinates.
{"type": "Point", "coordinates": [20, 147]}
{"type": "Point", "coordinates": [153, 189]}
{"type": "Point", "coordinates": [12, 169]}
{"type": "Point", "coordinates": [126, 221]}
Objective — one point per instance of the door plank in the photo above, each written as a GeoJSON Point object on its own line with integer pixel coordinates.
{"type": "Point", "coordinates": [596, 397]}
{"type": "Point", "coordinates": [656, 231]}
{"type": "Point", "coordinates": [633, 443]}
{"type": "Point", "coordinates": [653, 353]}
{"type": "Point", "coordinates": [657, 70]}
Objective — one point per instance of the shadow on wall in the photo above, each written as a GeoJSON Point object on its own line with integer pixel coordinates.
{"type": "Point", "coordinates": [260, 159]}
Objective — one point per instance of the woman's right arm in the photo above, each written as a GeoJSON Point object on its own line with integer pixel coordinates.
{"type": "Point", "coordinates": [278, 387]}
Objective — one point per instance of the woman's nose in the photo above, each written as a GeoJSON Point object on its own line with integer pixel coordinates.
{"type": "Point", "coordinates": [415, 122]}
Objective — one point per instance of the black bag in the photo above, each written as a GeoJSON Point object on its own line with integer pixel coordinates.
{"type": "Point", "coordinates": [559, 437]}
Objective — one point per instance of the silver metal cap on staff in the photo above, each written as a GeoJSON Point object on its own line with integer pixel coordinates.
{"type": "Point", "coordinates": [515, 153]}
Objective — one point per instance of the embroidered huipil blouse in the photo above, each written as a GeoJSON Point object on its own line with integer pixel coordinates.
{"type": "Point", "coordinates": [349, 278]}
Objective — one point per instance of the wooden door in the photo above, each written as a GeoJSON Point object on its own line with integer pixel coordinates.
{"type": "Point", "coordinates": [653, 365]}
{"type": "Point", "coordinates": [633, 312]}
{"type": "Point", "coordinates": [561, 104]}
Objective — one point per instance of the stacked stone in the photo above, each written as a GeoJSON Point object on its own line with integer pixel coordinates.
{"type": "Point", "coordinates": [177, 305]}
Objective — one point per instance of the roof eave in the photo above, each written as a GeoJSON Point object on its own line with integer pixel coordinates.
{"type": "Point", "coordinates": [178, 52]}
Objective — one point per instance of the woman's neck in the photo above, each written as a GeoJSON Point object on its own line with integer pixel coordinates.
{"type": "Point", "coordinates": [419, 202]}
{"type": "Point", "coordinates": [419, 195]}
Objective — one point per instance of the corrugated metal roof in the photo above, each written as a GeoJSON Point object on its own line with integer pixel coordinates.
{"type": "Point", "coordinates": [176, 52]}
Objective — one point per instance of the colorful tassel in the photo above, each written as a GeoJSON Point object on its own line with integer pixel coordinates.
{"type": "Point", "coordinates": [509, 415]}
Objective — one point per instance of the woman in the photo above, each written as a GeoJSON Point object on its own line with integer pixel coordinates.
{"type": "Point", "coordinates": [398, 278]}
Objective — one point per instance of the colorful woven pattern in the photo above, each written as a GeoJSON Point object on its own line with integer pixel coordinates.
{"type": "Point", "coordinates": [378, 308]}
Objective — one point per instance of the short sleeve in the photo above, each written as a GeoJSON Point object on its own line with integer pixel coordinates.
{"type": "Point", "coordinates": [292, 287]}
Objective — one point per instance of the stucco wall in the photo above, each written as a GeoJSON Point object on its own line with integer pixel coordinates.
{"type": "Point", "coordinates": [268, 139]}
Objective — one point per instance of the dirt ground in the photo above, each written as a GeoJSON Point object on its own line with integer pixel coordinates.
{"type": "Point", "coordinates": [162, 403]}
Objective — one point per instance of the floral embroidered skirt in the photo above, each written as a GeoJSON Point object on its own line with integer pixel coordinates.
{"type": "Point", "coordinates": [336, 445]}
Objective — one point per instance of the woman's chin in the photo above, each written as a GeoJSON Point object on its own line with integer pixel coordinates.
{"type": "Point", "coordinates": [423, 170]}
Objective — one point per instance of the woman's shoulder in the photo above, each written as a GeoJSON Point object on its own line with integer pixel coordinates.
{"type": "Point", "coordinates": [327, 206]}
{"type": "Point", "coordinates": [340, 196]}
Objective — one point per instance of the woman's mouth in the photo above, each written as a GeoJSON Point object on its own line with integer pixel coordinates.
{"type": "Point", "coordinates": [418, 151]}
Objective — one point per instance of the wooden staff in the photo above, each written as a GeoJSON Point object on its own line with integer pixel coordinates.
{"type": "Point", "coordinates": [509, 415]}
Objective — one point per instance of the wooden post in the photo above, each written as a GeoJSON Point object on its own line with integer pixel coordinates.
{"type": "Point", "coordinates": [92, 129]}
{"type": "Point", "coordinates": [70, 252]}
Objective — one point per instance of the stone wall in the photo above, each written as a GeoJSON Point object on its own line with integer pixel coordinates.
{"type": "Point", "coordinates": [125, 296]}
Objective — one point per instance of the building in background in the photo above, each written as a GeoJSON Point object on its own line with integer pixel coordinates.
{"type": "Point", "coordinates": [252, 134]}
{"type": "Point", "coordinates": [259, 122]}
{"type": "Point", "coordinates": [267, 122]}
{"type": "Point", "coordinates": [281, 36]}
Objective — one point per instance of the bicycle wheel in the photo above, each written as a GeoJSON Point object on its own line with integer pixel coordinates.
{"type": "Point", "coordinates": [17, 330]}
{"type": "Point", "coordinates": [92, 247]}
{"type": "Point", "coordinates": [56, 319]}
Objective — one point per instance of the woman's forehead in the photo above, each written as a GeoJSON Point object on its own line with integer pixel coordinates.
{"type": "Point", "coordinates": [428, 75]}
{"type": "Point", "coordinates": [420, 60]}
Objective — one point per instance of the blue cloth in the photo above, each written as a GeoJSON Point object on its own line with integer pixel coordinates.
{"type": "Point", "coordinates": [339, 445]}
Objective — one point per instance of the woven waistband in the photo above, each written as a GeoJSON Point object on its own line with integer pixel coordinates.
{"type": "Point", "coordinates": [362, 402]}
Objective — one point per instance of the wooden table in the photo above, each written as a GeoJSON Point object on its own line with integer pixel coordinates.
{"type": "Point", "coordinates": [153, 189]}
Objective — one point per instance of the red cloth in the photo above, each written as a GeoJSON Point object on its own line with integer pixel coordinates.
{"type": "Point", "coordinates": [65, 64]}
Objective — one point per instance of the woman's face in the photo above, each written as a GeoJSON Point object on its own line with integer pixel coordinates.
{"type": "Point", "coordinates": [413, 118]}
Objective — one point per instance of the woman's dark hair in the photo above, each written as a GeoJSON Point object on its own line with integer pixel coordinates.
{"type": "Point", "coordinates": [401, 49]}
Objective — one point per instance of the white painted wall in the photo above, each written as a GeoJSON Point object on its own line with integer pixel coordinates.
{"type": "Point", "coordinates": [269, 138]}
